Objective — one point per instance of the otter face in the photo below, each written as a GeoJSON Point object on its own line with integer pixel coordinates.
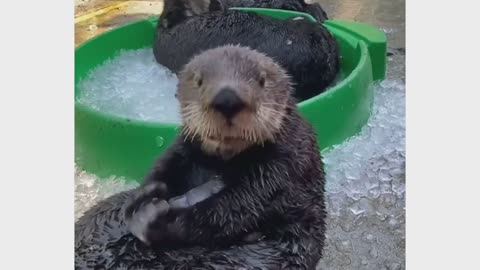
{"type": "Point", "coordinates": [232, 98]}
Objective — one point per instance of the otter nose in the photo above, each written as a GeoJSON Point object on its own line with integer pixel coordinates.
{"type": "Point", "coordinates": [227, 102]}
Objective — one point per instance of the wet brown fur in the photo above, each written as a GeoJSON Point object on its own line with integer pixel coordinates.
{"type": "Point", "coordinates": [274, 187]}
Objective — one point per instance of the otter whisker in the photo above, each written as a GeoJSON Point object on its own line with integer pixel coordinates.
{"type": "Point", "coordinates": [269, 109]}
{"type": "Point", "coordinates": [190, 133]}
{"type": "Point", "coordinates": [187, 133]}
{"type": "Point", "coordinates": [264, 128]}
{"type": "Point", "coordinates": [273, 103]}
{"type": "Point", "coordinates": [262, 119]}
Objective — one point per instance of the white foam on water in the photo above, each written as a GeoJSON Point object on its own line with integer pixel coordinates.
{"type": "Point", "coordinates": [132, 85]}
{"type": "Point", "coordinates": [365, 190]}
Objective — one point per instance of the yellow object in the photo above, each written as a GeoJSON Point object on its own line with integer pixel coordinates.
{"type": "Point", "coordinates": [93, 17]}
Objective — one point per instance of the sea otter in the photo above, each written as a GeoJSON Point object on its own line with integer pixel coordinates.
{"type": "Point", "coordinates": [242, 132]}
{"type": "Point", "coordinates": [305, 49]}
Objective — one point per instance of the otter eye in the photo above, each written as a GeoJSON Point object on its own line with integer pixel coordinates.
{"type": "Point", "coordinates": [263, 77]}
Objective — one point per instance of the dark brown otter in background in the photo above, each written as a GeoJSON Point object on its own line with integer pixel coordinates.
{"type": "Point", "coordinates": [241, 128]}
{"type": "Point", "coordinates": [306, 50]}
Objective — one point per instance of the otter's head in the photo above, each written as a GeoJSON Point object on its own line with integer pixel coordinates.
{"type": "Point", "coordinates": [231, 98]}
{"type": "Point", "coordinates": [177, 11]}
{"type": "Point", "coordinates": [317, 12]}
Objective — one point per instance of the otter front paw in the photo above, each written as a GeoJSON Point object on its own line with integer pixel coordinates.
{"type": "Point", "coordinates": [197, 194]}
{"type": "Point", "coordinates": [146, 210]}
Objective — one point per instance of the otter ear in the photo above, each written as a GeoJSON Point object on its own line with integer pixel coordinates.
{"type": "Point", "coordinates": [197, 78]}
{"type": "Point", "coordinates": [174, 12]}
{"type": "Point", "coordinates": [215, 5]}
{"type": "Point", "coordinates": [262, 78]}
{"type": "Point", "coordinates": [204, 6]}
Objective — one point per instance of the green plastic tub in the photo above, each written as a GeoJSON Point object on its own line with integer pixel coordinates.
{"type": "Point", "coordinates": [107, 145]}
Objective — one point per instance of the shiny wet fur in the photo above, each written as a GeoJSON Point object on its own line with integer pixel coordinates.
{"type": "Point", "coordinates": [292, 216]}
{"type": "Point", "coordinates": [269, 212]}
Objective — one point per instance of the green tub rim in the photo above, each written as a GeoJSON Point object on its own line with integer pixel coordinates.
{"type": "Point", "coordinates": [368, 41]}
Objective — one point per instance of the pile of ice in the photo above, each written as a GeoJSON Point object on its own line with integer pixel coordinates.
{"type": "Point", "coordinates": [366, 190]}
{"type": "Point", "coordinates": [132, 85]}
{"type": "Point", "coordinates": [89, 189]}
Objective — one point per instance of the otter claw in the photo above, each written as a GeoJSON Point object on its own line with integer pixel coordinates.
{"type": "Point", "coordinates": [154, 190]}
{"type": "Point", "coordinates": [149, 207]}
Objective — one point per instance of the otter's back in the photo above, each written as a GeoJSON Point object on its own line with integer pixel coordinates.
{"type": "Point", "coordinates": [306, 50]}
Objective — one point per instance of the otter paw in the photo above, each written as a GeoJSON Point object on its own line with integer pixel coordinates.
{"type": "Point", "coordinates": [143, 196]}
{"type": "Point", "coordinates": [167, 232]}
{"type": "Point", "coordinates": [147, 218]}
{"type": "Point", "coordinates": [147, 207]}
